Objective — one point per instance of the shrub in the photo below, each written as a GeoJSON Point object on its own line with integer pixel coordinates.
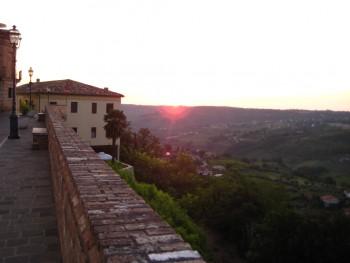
{"type": "Point", "coordinates": [23, 107]}
{"type": "Point", "coordinates": [169, 210]}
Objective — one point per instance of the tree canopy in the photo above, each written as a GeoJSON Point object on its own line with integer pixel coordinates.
{"type": "Point", "coordinates": [116, 124]}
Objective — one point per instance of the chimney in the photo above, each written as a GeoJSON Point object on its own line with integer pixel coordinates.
{"type": "Point", "coordinates": [19, 76]}
{"type": "Point", "coordinates": [105, 88]}
{"type": "Point", "coordinates": [37, 80]}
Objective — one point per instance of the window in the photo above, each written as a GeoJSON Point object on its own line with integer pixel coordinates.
{"type": "Point", "coordinates": [109, 107]}
{"type": "Point", "coordinates": [53, 103]}
{"type": "Point", "coordinates": [94, 107]}
{"type": "Point", "coordinates": [10, 93]}
{"type": "Point", "coordinates": [93, 132]}
{"type": "Point", "coordinates": [75, 129]}
{"type": "Point", "coordinates": [74, 107]}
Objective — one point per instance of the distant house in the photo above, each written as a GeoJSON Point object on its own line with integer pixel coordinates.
{"type": "Point", "coordinates": [204, 171]}
{"type": "Point", "coordinates": [347, 211]}
{"type": "Point", "coordinates": [344, 159]}
{"type": "Point", "coordinates": [83, 106]}
{"type": "Point", "coordinates": [347, 193]}
{"type": "Point", "coordinates": [308, 196]}
{"type": "Point", "coordinates": [329, 200]}
{"type": "Point", "coordinates": [220, 168]}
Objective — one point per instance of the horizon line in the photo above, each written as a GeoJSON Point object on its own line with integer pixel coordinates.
{"type": "Point", "coordinates": [234, 107]}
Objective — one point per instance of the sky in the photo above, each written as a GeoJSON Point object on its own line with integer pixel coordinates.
{"type": "Point", "coordinates": [252, 53]}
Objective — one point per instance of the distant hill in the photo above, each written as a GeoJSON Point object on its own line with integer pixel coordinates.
{"type": "Point", "coordinates": [156, 117]}
{"type": "Point", "coordinates": [296, 136]}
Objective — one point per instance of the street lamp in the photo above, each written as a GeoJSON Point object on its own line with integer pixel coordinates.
{"type": "Point", "coordinates": [30, 71]}
{"type": "Point", "coordinates": [15, 40]}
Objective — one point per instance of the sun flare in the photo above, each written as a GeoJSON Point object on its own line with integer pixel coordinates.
{"type": "Point", "coordinates": [174, 113]}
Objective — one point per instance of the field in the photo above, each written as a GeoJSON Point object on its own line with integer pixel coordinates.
{"type": "Point", "coordinates": [307, 151]}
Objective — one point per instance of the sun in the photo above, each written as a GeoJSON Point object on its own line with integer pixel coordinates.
{"type": "Point", "coordinates": [174, 113]}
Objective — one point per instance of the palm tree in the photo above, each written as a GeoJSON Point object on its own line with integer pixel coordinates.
{"type": "Point", "coordinates": [116, 124]}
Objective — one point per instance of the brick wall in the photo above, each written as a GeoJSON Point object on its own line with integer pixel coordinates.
{"type": "Point", "coordinates": [6, 66]}
{"type": "Point", "coordinates": [101, 219]}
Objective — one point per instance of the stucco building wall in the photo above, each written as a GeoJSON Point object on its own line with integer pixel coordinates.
{"type": "Point", "coordinates": [83, 120]}
{"type": "Point", "coordinates": [86, 119]}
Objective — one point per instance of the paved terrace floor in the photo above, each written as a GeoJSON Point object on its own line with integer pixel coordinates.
{"type": "Point", "coordinates": [28, 230]}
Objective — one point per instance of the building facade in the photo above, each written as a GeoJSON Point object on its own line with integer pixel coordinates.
{"type": "Point", "coordinates": [6, 71]}
{"type": "Point", "coordinates": [82, 105]}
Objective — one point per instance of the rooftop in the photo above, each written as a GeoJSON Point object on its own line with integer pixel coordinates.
{"type": "Point", "coordinates": [329, 198]}
{"type": "Point", "coordinates": [66, 87]}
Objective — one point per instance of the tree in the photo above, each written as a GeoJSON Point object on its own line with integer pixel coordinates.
{"type": "Point", "coordinates": [290, 237]}
{"type": "Point", "coordinates": [128, 139]}
{"type": "Point", "coordinates": [148, 143]}
{"type": "Point", "coordinates": [116, 124]}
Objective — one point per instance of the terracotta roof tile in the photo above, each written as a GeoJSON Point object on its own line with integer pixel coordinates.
{"type": "Point", "coordinates": [66, 87]}
{"type": "Point", "coordinates": [329, 198]}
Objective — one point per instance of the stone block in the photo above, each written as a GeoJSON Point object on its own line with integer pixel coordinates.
{"type": "Point", "coordinates": [16, 242]}
{"type": "Point", "coordinates": [16, 259]}
{"type": "Point", "coordinates": [7, 252]}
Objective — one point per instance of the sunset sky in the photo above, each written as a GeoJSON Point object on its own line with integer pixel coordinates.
{"type": "Point", "coordinates": [252, 53]}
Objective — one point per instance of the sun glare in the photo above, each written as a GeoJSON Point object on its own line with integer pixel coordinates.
{"type": "Point", "coordinates": [174, 113]}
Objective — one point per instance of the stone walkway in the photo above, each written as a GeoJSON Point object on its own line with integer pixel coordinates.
{"type": "Point", "coordinates": [4, 126]}
{"type": "Point", "coordinates": [28, 231]}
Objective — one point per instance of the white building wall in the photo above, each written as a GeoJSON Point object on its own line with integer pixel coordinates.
{"type": "Point", "coordinates": [84, 119]}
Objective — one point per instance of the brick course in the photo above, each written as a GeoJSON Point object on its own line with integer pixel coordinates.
{"type": "Point", "coordinates": [100, 218]}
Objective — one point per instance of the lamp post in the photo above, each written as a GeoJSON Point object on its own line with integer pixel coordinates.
{"type": "Point", "coordinates": [15, 40]}
{"type": "Point", "coordinates": [48, 95]}
{"type": "Point", "coordinates": [30, 71]}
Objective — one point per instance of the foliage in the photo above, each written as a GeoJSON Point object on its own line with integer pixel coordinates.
{"type": "Point", "coordinates": [232, 207]}
{"type": "Point", "coordinates": [116, 124]}
{"type": "Point", "coordinates": [117, 165]}
{"type": "Point", "coordinates": [232, 164]}
{"type": "Point", "coordinates": [169, 210]}
{"type": "Point", "coordinates": [310, 170]}
{"type": "Point", "coordinates": [142, 141]}
{"type": "Point", "coordinates": [289, 237]}
{"type": "Point", "coordinates": [176, 176]}
{"type": "Point", "coordinates": [24, 107]}
{"type": "Point", "coordinates": [264, 205]}
{"type": "Point", "coordinates": [329, 180]}
{"type": "Point", "coordinates": [295, 144]}
{"type": "Point", "coordinates": [148, 143]}
{"type": "Point", "coordinates": [249, 213]}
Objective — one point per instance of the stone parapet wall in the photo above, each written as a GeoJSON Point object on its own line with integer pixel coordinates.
{"type": "Point", "coordinates": [100, 218]}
